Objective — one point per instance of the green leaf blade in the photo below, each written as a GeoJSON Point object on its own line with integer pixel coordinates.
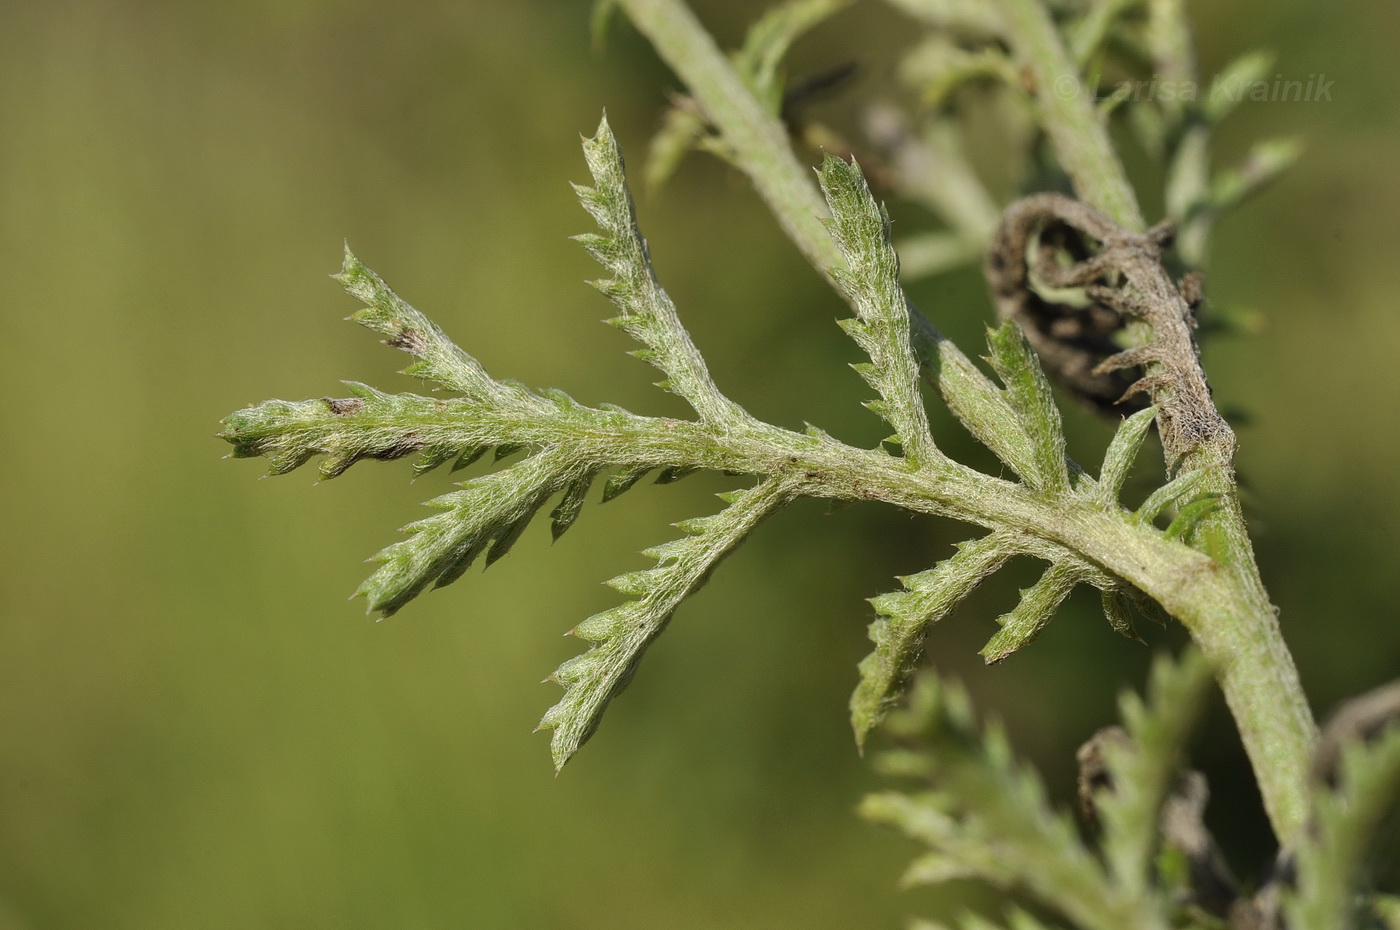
{"type": "Point", "coordinates": [906, 619]}
{"type": "Point", "coordinates": [647, 312]}
{"type": "Point", "coordinates": [1122, 451]}
{"type": "Point", "coordinates": [486, 516]}
{"type": "Point", "coordinates": [622, 635]}
{"type": "Point", "coordinates": [1349, 814]}
{"type": "Point", "coordinates": [1028, 393]}
{"type": "Point", "coordinates": [439, 358]}
{"type": "Point", "coordinates": [1038, 604]}
{"type": "Point", "coordinates": [860, 229]}
{"type": "Point", "coordinates": [369, 425]}
{"type": "Point", "coordinates": [1144, 766]}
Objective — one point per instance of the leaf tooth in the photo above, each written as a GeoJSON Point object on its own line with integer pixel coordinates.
{"type": "Point", "coordinates": [507, 449]}
{"type": "Point", "coordinates": [600, 626]}
{"type": "Point", "coordinates": [504, 540]}
{"type": "Point", "coordinates": [393, 585]}
{"type": "Point", "coordinates": [1129, 358]}
{"type": "Point", "coordinates": [468, 456]}
{"type": "Point", "coordinates": [591, 239]}
{"type": "Point", "coordinates": [282, 461]}
{"type": "Point", "coordinates": [635, 326]}
{"type": "Point", "coordinates": [447, 501]}
{"type": "Point", "coordinates": [666, 550]}
{"type": "Point", "coordinates": [570, 506]}
{"type": "Point", "coordinates": [632, 584]}
{"type": "Point", "coordinates": [621, 481]}
{"type": "Point", "coordinates": [890, 604]}
{"type": "Point", "coordinates": [572, 670]}
{"type": "Point", "coordinates": [1117, 608]}
{"type": "Point", "coordinates": [365, 392]}
{"type": "Point", "coordinates": [937, 868]}
{"type": "Point", "coordinates": [431, 457]}
{"type": "Point", "coordinates": [421, 368]}
{"type": "Point", "coordinates": [675, 473]}
{"type": "Point", "coordinates": [555, 715]}
{"type": "Point", "coordinates": [1147, 607]}
{"type": "Point", "coordinates": [1146, 385]}
{"type": "Point", "coordinates": [335, 464]}
{"type": "Point", "coordinates": [602, 249]}
{"type": "Point", "coordinates": [694, 526]}
{"type": "Point", "coordinates": [561, 399]}
{"type": "Point", "coordinates": [613, 289]}
{"type": "Point", "coordinates": [853, 326]}
{"type": "Point", "coordinates": [464, 560]}
{"type": "Point", "coordinates": [596, 203]}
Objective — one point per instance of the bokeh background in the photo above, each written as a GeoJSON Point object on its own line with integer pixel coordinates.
{"type": "Point", "coordinates": [197, 731]}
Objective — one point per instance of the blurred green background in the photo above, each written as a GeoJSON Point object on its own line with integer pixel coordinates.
{"type": "Point", "coordinates": [196, 731]}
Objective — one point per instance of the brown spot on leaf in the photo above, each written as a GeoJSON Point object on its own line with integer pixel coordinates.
{"type": "Point", "coordinates": [344, 406]}
{"type": "Point", "coordinates": [410, 340]}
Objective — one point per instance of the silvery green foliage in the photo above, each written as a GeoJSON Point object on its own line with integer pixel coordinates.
{"type": "Point", "coordinates": [566, 447]}
{"type": "Point", "coordinates": [985, 817]}
{"type": "Point", "coordinates": [1145, 765]}
{"type": "Point", "coordinates": [1348, 817]}
{"type": "Point", "coordinates": [1021, 425]}
{"type": "Point", "coordinates": [881, 325]}
{"type": "Point", "coordinates": [621, 635]}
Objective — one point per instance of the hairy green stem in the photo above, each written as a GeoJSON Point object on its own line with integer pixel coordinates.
{"type": "Point", "coordinates": [1241, 637]}
{"type": "Point", "coordinates": [1220, 600]}
{"type": "Point", "coordinates": [758, 140]}
{"type": "Point", "coordinates": [1080, 141]}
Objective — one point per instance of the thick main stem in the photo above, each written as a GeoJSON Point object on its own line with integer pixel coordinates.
{"type": "Point", "coordinates": [1228, 613]}
{"type": "Point", "coordinates": [1241, 638]}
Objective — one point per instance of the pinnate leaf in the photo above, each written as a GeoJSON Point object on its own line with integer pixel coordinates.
{"type": "Point", "coordinates": [621, 635]}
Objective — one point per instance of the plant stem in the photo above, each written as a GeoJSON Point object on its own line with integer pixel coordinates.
{"type": "Point", "coordinates": [1078, 136]}
{"type": "Point", "coordinates": [760, 147]}
{"type": "Point", "coordinates": [1255, 669]}
{"type": "Point", "coordinates": [758, 140]}
{"type": "Point", "coordinates": [1226, 609]}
